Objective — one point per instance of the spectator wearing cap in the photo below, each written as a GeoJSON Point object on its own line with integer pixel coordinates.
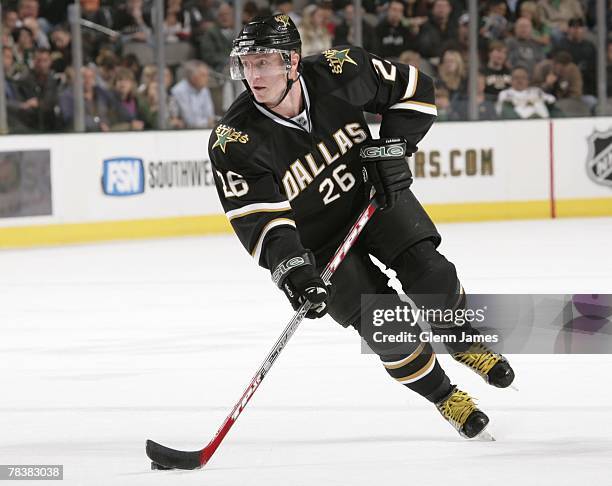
{"type": "Point", "coordinates": [313, 31]}
{"type": "Point", "coordinates": [522, 49]}
{"type": "Point", "coordinates": [393, 36]}
{"type": "Point", "coordinates": [344, 34]}
{"type": "Point", "coordinates": [463, 39]}
{"type": "Point", "coordinates": [193, 96]}
{"type": "Point", "coordinates": [557, 14]}
{"type": "Point", "coordinates": [216, 42]}
{"type": "Point", "coordinates": [521, 100]}
{"type": "Point", "coordinates": [438, 32]}
{"type": "Point", "coordinates": [541, 31]}
{"type": "Point", "coordinates": [496, 74]}
{"type": "Point", "coordinates": [583, 53]}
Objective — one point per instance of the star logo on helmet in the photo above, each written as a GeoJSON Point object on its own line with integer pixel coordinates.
{"type": "Point", "coordinates": [226, 135]}
{"type": "Point", "coordinates": [282, 19]}
{"type": "Point", "coordinates": [336, 59]}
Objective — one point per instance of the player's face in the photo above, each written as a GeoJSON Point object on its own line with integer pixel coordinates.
{"type": "Point", "coordinates": [266, 76]}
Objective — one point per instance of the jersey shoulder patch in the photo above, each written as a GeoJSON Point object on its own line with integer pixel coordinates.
{"type": "Point", "coordinates": [338, 64]}
{"type": "Point", "coordinates": [232, 133]}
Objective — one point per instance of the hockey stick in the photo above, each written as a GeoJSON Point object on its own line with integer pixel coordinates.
{"type": "Point", "coordinates": [165, 458]}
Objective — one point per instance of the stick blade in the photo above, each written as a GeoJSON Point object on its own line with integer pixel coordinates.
{"type": "Point", "coordinates": [171, 458]}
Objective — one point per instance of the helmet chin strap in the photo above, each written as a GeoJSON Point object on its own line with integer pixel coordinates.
{"type": "Point", "coordinates": [290, 83]}
{"type": "Point", "coordinates": [287, 89]}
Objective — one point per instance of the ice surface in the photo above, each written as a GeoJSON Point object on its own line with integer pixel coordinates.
{"type": "Point", "coordinates": [103, 346]}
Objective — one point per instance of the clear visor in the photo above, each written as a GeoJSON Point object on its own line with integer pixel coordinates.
{"type": "Point", "coordinates": [258, 61]}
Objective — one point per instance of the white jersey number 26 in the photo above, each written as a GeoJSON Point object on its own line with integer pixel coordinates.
{"type": "Point", "coordinates": [343, 181]}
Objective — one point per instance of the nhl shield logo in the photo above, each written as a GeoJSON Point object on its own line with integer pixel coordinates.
{"type": "Point", "coordinates": [599, 160]}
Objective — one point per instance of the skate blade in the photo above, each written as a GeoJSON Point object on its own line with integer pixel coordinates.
{"type": "Point", "coordinates": [485, 436]}
{"type": "Point", "coordinates": [514, 387]}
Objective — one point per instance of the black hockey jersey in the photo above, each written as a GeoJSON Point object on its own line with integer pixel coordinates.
{"type": "Point", "coordinates": [287, 186]}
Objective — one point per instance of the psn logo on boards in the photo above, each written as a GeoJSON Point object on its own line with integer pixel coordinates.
{"type": "Point", "coordinates": [123, 176]}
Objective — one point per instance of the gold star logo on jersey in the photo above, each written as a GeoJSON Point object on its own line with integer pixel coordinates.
{"type": "Point", "coordinates": [336, 59]}
{"type": "Point", "coordinates": [282, 19]}
{"type": "Point", "coordinates": [226, 135]}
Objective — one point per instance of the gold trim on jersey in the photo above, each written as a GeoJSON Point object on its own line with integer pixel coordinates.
{"type": "Point", "coordinates": [413, 80]}
{"type": "Point", "coordinates": [393, 365]}
{"type": "Point", "coordinates": [420, 106]}
{"type": "Point", "coordinates": [258, 208]}
{"type": "Point", "coordinates": [256, 253]}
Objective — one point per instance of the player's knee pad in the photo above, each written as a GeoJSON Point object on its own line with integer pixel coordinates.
{"type": "Point", "coordinates": [430, 280]}
{"type": "Point", "coordinates": [355, 277]}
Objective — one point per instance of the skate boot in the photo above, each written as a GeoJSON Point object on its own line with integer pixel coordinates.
{"type": "Point", "coordinates": [461, 412]}
{"type": "Point", "coordinates": [493, 367]}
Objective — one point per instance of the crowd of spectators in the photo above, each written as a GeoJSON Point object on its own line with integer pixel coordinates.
{"type": "Point", "coordinates": [537, 57]}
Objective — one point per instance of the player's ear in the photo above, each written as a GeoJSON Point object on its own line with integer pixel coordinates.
{"type": "Point", "coordinates": [295, 62]}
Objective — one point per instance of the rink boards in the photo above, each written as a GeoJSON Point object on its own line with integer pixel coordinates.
{"type": "Point", "coordinates": [57, 189]}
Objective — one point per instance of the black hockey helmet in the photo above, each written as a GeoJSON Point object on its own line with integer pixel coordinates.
{"type": "Point", "coordinates": [272, 31]}
{"type": "Point", "coordinates": [264, 35]}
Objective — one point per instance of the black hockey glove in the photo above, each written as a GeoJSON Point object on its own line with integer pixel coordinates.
{"type": "Point", "coordinates": [386, 168]}
{"type": "Point", "coordinates": [297, 276]}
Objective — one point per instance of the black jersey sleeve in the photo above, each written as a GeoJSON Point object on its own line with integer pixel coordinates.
{"type": "Point", "coordinates": [403, 95]}
{"type": "Point", "coordinates": [258, 211]}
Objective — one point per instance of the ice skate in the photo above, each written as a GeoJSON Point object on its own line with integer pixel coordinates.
{"type": "Point", "coordinates": [459, 409]}
{"type": "Point", "coordinates": [493, 367]}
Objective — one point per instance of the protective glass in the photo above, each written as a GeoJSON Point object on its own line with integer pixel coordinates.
{"type": "Point", "coordinates": [262, 61]}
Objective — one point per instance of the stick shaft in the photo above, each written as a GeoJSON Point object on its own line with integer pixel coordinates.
{"type": "Point", "coordinates": [281, 342]}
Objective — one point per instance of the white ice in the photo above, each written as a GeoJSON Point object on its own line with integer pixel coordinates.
{"type": "Point", "coordinates": [104, 346]}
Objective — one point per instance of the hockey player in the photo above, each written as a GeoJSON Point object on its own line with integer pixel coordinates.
{"type": "Point", "coordinates": [287, 166]}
